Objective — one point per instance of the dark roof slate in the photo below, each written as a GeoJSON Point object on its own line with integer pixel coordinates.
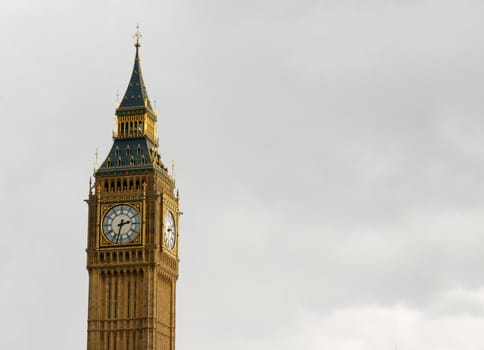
{"type": "Point", "coordinates": [130, 155]}
{"type": "Point", "coordinates": [136, 94]}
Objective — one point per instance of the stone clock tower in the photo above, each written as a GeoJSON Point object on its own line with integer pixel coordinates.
{"type": "Point", "coordinates": [132, 245]}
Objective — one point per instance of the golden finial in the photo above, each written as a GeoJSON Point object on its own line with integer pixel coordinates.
{"type": "Point", "coordinates": [96, 160]}
{"type": "Point", "coordinates": [137, 36]}
{"type": "Point", "coordinates": [173, 169]}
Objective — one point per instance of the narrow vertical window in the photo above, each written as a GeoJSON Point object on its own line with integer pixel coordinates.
{"type": "Point", "coordinates": [129, 298]}
{"type": "Point", "coordinates": [108, 304]}
{"type": "Point", "coordinates": [116, 300]}
{"type": "Point", "coordinates": [135, 297]}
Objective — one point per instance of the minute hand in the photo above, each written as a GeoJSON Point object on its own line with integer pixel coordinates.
{"type": "Point", "coordinates": [120, 225]}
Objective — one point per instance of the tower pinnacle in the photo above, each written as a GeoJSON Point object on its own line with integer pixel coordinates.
{"type": "Point", "coordinates": [136, 96]}
{"type": "Point", "coordinates": [137, 36]}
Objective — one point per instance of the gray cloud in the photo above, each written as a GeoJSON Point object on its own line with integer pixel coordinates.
{"type": "Point", "coordinates": [328, 156]}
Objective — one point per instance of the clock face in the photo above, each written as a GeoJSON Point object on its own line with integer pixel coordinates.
{"type": "Point", "coordinates": [170, 230]}
{"type": "Point", "coordinates": [121, 224]}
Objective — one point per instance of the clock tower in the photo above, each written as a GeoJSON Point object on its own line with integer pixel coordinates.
{"type": "Point", "coordinates": [132, 244]}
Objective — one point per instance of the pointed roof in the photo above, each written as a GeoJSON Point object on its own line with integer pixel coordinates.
{"type": "Point", "coordinates": [136, 95]}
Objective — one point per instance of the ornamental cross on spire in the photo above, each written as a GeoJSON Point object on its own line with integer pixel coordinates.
{"type": "Point", "coordinates": [137, 35]}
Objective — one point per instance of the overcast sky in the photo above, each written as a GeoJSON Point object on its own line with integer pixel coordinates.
{"type": "Point", "coordinates": [329, 156]}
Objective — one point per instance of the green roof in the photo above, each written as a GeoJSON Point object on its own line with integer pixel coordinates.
{"type": "Point", "coordinates": [136, 95]}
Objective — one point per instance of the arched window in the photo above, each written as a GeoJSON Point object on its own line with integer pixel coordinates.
{"type": "Point", "coordinates": [131, 161]}
{"type": "Point", "coordinates": [143, 160]}
{"type": "Point", "coordinates": [128, 150]}
{"type": "Point", "coordinates": [116, 151]}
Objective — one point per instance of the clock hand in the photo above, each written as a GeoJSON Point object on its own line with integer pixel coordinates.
{"type": "Point", "coordinates": [118, 235]}
{"type": "Point", "coordinates": [122, 223]}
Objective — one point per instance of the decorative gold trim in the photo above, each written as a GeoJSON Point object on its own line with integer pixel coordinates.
{"type": "Point", "coordinates": [104, 242]}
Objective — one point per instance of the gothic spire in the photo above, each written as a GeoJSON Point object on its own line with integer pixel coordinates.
{"type": "Point", "coordinates": [136, 96]}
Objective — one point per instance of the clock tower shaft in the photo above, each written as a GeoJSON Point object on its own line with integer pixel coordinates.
{"type": "Point", "coordinates": [132, 245]}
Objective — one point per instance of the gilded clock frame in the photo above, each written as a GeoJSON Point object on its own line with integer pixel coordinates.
{"type": "Point", "coordinates": [170, 205]}
{"type": "Point", "coordinates": [104, 242]}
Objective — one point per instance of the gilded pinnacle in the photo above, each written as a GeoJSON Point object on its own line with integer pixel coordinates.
{"type": "Point", "coordinates": [137, 36]}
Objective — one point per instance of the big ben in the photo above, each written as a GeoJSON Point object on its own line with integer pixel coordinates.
{"type": "Point", "coordinates": [132, 245]}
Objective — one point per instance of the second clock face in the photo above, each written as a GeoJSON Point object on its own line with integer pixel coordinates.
{"type": "Point", "coordinates": [170, 231]}
{"type": "Point", "coordinates": [121, 224]}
